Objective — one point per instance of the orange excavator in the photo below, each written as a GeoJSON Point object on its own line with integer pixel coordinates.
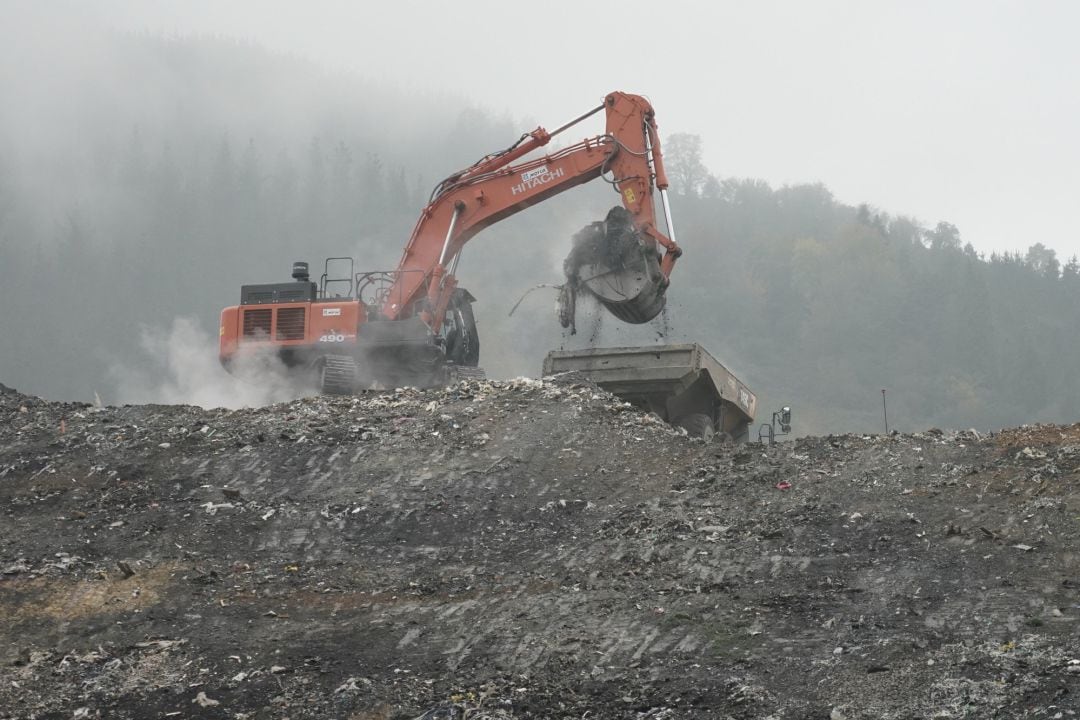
{"type": "Point", "coordinates": [414, 325]}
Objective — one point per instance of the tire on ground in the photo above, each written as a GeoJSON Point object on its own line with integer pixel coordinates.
{"type": "Point", "coordinates": [697, 425]}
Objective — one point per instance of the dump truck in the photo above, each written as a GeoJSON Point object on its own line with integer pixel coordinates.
{"type": "Point", "coordinates": [682, 383]}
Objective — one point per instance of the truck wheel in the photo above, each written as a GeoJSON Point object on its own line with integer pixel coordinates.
{"type": "Point", "coordinates": [697, 425]}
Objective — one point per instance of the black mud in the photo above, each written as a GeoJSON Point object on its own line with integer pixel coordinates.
{"type": "Point", "coordinates": [526, 550]}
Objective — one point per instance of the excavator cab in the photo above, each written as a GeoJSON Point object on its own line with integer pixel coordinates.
{"type": "Point", "coordinates": [335, 332]}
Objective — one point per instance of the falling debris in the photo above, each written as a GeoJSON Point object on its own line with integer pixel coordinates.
{"type": "Point", "coordinates": [203, 701]}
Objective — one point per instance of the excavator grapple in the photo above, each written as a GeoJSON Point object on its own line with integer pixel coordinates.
{"type": "Point", "coordinates": [611, 262]}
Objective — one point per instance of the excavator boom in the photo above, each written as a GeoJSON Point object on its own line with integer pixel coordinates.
{"type": "Point", "coordinates": [493, 189]}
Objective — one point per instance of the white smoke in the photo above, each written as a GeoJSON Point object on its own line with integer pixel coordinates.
{"type": "Point", "coordinates": [180, 367]}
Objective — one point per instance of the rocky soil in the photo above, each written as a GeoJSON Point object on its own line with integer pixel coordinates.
{"type": "Point", "coordinates": [526, 549]}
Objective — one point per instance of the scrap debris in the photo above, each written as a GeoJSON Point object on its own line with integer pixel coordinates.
{"type": "Point", "coordinates": [526, 549]}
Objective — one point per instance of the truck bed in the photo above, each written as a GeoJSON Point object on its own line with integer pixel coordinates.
{"type": "Point", "coordinates": [671, 380]}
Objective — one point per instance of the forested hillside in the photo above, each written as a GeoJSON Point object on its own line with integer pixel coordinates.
{"type": "Point", "coordinates": [832, 303]}
{"type": "Point", "coordinates": [121, 212]}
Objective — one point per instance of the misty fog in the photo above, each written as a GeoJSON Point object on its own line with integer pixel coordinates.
{"type": "Point", "coordinates": [144, 178]}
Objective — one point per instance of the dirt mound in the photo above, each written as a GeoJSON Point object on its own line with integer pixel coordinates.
{"type": "Point", "coordinates": [1040, 435]}
{"type": "Point", "coordinates": [524, 550]}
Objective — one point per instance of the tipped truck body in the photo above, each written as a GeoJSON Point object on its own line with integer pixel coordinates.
{"type": "Point", "coordinates": [682, 383]}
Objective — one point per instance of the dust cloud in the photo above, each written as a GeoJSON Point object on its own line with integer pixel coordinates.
{"type": "Point", "coordinates": [180, 367]}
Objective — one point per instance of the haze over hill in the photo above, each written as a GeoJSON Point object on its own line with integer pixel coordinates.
{"type": "Point", "coordinates": [955, 109]}
{"type": "Point", "coordinates": [150, 177]}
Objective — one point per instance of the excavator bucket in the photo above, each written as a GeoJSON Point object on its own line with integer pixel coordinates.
{"type": "Point", "coordinates": [612, 262]}
{"type": "Point", "coordinates": [630, 292]}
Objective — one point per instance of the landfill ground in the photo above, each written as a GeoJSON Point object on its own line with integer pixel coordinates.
{"type": "Point", "coordinates": [526, 549]}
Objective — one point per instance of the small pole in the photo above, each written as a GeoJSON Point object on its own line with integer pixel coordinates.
{"type": "Point", "coordinates": [885, 411]}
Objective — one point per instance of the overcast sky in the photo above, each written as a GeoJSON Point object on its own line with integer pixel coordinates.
{"type": "Point", "coordinates": [958, 111]}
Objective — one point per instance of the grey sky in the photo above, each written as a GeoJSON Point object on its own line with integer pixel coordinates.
{"type": "Point", "coordinates": [958, 111]}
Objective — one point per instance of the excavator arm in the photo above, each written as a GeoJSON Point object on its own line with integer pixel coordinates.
{"type": "Point", "coordinates": [628, 155]}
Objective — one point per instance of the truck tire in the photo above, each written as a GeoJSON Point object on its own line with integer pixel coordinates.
{"type": "Point", "coordinates": [697, 425]}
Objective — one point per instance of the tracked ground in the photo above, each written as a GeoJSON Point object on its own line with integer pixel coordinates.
{"type": "Point", "coordinates": [526, 550]}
